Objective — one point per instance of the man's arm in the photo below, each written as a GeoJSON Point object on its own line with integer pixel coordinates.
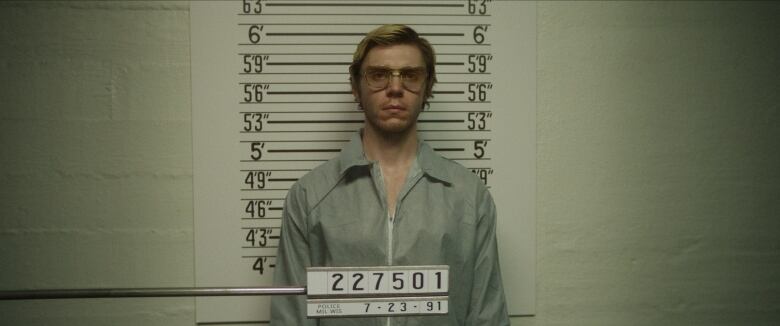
{"type": "Point", "coordinates": [488, 304]}
{"type": "Point", "coordinates": [291, 262]}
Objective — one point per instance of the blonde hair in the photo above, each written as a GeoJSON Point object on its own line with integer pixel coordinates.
{"type": "Point", "coordinates": [392, 35]}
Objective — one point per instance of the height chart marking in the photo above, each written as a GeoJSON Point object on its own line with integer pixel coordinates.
{"type": "Point", "coordinates": [272, 100]}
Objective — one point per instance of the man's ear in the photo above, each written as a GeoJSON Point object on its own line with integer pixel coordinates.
{"type": "Point", "coordinates": [355, 92]}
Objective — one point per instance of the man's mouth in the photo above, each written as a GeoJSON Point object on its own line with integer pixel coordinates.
{"type": "Point", "coordinates": [394, 107]}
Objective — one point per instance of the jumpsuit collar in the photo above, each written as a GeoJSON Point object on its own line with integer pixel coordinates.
{"type": "Point", "coordinates": [428, 161]}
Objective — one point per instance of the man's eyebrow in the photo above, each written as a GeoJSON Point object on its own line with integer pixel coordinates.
{"type": "Point", "coordinates": [402, 68]}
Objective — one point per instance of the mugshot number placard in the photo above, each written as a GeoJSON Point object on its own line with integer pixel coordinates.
{"type": "Point", "coordinates": [271, 100]}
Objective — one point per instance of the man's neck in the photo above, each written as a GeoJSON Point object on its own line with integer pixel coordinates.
{"type": "Point", "coordinates": [390, 150]}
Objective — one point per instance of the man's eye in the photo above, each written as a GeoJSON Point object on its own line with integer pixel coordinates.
{"type": "Point", "coordinates": [377, 75]}
{"type": "Point", "coordinates": [411, 75]}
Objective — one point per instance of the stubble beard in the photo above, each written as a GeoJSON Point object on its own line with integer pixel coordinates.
{"type": "Point", "coordinates": [394, 128]}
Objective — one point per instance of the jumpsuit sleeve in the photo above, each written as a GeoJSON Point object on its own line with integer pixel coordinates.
{"type": "Point", "coordinates": [292, 260]}
{"type": "Point", "coordinates": [488, 303]}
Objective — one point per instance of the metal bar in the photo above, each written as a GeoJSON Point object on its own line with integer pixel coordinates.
{"type": "Point", "coordinates": [148, 292]}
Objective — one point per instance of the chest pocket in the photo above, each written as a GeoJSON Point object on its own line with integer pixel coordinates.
{"type": "Point", "coordinates": [435, 226]}
{"type": "Point", "coordinates": [348, 229]}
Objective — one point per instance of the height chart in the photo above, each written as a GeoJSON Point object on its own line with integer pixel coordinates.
{"type": "Point", "coordinates": [271, 100]}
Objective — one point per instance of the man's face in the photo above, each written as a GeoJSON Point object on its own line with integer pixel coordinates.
{"type": "Point", "coordinates": [392, 109]}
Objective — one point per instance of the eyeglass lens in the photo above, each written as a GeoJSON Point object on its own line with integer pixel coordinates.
{"type": "Point", "coordinates": [411, 79]}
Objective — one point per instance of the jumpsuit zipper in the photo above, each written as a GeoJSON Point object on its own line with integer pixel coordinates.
{"type": "Point", "coordinates": [391, 219]}
{"type": "Point", "coordinates": [390, 225]}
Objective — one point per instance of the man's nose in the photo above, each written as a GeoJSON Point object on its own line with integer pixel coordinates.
{"type": "Point", "coordinates": [395, 85]}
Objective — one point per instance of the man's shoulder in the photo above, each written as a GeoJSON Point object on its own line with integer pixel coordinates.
{"type": "Point", "coordinates": [456, 174]}
{"type": "Point", "coordinates": [323, 176]}
{"type": "Point", "coordinates": [315, 184]}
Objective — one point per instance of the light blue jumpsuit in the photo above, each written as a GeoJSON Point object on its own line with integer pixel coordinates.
{"type": "Point", "coordinates": [336, 215]}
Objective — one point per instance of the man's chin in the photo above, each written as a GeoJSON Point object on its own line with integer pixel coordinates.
{"type": "Point", "coordinates": [394, 127]}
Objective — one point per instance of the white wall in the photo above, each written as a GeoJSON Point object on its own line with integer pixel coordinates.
{"type": "Point", "coordinates": [95, 141]}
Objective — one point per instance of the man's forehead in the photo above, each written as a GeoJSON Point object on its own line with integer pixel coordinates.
{"type": "Point", "coordinates": [385, 67]}
{"type": "Point", "coordinates": [394, 56]}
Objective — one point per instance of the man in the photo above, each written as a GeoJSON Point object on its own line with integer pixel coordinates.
{"type": "Point", "coordinates": [389, 199]}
